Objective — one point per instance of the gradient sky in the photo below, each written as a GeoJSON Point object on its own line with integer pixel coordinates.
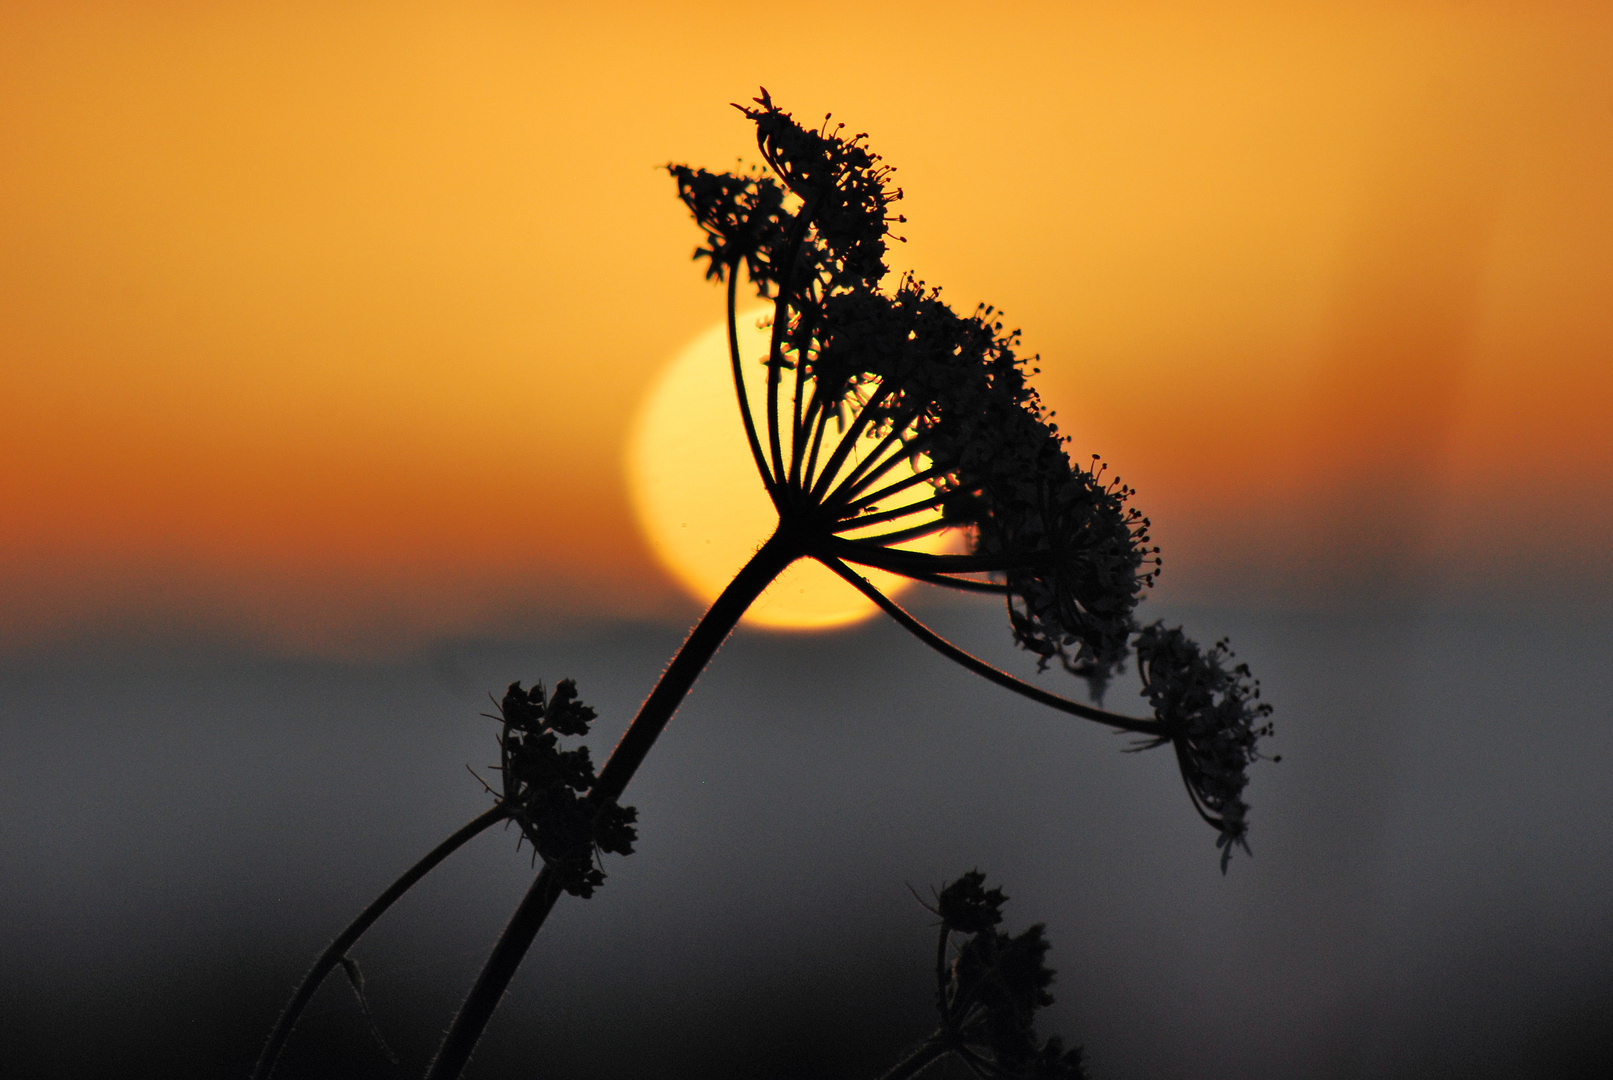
{"type": "Point", "coordinates": [322, 325]}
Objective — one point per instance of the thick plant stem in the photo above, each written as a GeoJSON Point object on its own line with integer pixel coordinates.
{"type": "Point", "coordinates": [697, 651]}
{"type": "Point", "coordinates": [919, 1060]}
{"type": "Point", "coordinates": [333, 954]}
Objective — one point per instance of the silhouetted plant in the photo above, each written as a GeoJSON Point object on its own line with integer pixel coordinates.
{"type": "Point", "coordinates": [542, 792]}
{"type": "Point", "coordinates": [900, 378]}
{"type": "Point", "coordinates": [545, 787]}
{"type": "Point", "coordinates": [988, 987]}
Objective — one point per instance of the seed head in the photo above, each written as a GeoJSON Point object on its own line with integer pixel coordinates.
{"type": "Point", "coordinates": [1213, 717]}
{"type": "Point", "coordinates": [865, 375]}
{"type": "Point", "coordinates": [545, 786]}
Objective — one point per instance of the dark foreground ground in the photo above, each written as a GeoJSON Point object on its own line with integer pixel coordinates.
{"type": "Point", "coordinates": [182, 828]}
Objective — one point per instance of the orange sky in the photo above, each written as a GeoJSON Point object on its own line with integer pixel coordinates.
{"type": "Point", "coordinates": [322, 324]}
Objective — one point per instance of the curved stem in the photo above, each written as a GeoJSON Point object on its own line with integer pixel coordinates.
{"type": "Point", "coordinates": [873, 466]}
{"type": "Point", "coordinates": [797, 442]}
{"type": "Point", "coordinates": [912, 532]}
{"type": "Point", "coordinates": [856, 476]}
{"type": "Point", "coordinates": [919, 563]}
{"type": "Point", "coordinates": [980, 667]}
{"type": "Point", "coordinates": [891, 489]}
{"type": "Point", "coordinates": [781, 319]}
{"type": "Point", "coordinates": [739, 384]}
{"type": "Point", "coordinates": [995, 588]}
{"type": "Point", "coordinates": [823, 414]}
{"type": "Point", "coordinates": [847, 442]}
{"type": "Point", "coordinates": [893, 514]}
{"type": "Point", "coordinates": [775, 364]}
{"type": "Point", "coordinates": [697, 651]}
{"type": "Point", "coordinates": [345, 940]}
{"type": "Point", "coordinates": [977, 1064]}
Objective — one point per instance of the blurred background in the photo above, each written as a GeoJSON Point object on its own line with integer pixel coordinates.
{"type": "Point", "coordinates": [321, 333]}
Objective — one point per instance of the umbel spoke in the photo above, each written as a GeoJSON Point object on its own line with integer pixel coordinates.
{"type": "Point", "coordinates": [917, 563]}
{"type": "Point", "coordinates": [865, 475]}
{"type": "Point", "coordinates": [980, 667]}
{"type": "Point", "coordinates": [893, 514]}
{"type": "Point", "coordinates": [739, 389]}
{"type": "Point", "coordinates": [902, 536]}
{"type": "Point", "coordinates": [848, 442]}
{"type": "Point", "coordinates": [934, 472]}
{"type": "Point", "coordinates": [947, 581]}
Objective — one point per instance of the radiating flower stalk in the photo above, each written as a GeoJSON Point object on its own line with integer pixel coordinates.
{"type": "Point", "coordinates": [887, 421]}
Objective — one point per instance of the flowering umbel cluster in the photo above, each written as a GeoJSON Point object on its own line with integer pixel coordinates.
{"type": "Point", "coordinates": [1213, 715]}
{"type": "Point", "coordinates": [989, 986]}
{"type": "Point", "coordinates": [545, 786]}
{"type": "Point", "coordinates": [866, 375]}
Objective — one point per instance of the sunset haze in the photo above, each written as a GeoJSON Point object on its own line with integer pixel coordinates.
{"type": "Point", "coordinates": [323, 326]}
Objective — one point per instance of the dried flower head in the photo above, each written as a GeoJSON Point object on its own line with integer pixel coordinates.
{"type": "Point", "coordinates": [865, 376]}
{"type": "Point", "coordinates": [943, 392]}
{"type": "Point", "coordinates": [545, 786]}
{"type": "Point", "coordinates": [1213, 717]}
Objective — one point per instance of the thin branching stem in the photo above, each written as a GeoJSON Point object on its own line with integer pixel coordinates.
{"type": "Point", "coordinates": [775, 368]}
{"type": "Point", "coordinates": [873, 467]}
{"type": "Point", "coordinates": [781, 320]}
{"type": "Point", "coordinates": [337, 949]}
{"type": "Point", "coordinates": [696, 652]}
{"type": "Point", "coordinates": [1198, 804]}
{"type": "Point", "coordinates": [977, 1064]}
{"type": "Point", "coordinates": [855, 485]}
{"type": "Point", "coordinates": [848, 442]}
{"type": "Point", "coordinates": [739, 386]}
{"type": "Point", "coordinates": [917, 563]}
{"type": "Point", "coordinates": [983, 669]}
{"type": "Point", "coordinates": [995, 588]}
{"type": "Point", "coordinates": [804, 416]}
{"type": "Point", "coordinates": [898, 427]}
{"type": "Point", "coordinates": [928, 528]}
{"type": "Point", "coordinates": [797, 442]}
{"type": "Point", "coordinates": [893, 514]}
{"type": "Point", "coordinates": [896, 488]}
{"type": "Point", "coordinates": [823, 414]}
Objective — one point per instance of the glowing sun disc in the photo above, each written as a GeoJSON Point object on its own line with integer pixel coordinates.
{"type": "Point", "coordinates": [698, 497]}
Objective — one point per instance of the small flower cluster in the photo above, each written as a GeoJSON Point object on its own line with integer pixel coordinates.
{"type": "Point", "coordinates": [989, 994]}
{"type": "Point", "coordinates": [844, 190]}
{"type": "Point", "coordinates": [545, 787]}
{"type": "Point", "coordinates": [743, 216]}
{"type": "Point", "coordinates": [1213, 717]}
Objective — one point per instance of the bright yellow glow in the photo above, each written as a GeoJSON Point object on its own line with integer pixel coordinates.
{"type": "Point", "coordinates": [698, 497]}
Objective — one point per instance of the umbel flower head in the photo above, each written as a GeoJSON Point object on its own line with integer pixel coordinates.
{"type": "Point", "coordinates": [890, 418]}
{"type": "Point", "coordinates": [1214, 719]}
